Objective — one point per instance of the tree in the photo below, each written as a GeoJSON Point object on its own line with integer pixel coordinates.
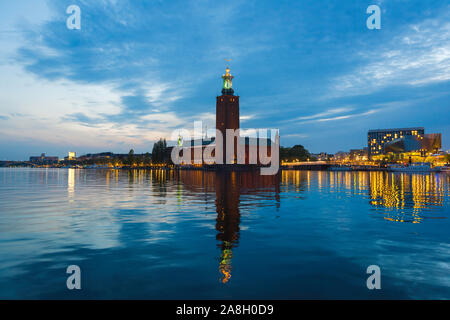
{"type": "Point", "coordinates": [159, 151]}
{"type": "Point", "coordinates": [297, 152]}
{"type": "Point", "coordinates": [147, 158]}
{"type": "Point", "coordinates": [130, 158]}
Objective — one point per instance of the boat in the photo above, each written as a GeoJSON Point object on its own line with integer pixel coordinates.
{"type": "Point", "coordinates": [412, 168]}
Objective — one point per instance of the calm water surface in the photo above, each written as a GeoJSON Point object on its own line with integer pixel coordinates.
{"type": "Point", "coordinates": [192, 234]}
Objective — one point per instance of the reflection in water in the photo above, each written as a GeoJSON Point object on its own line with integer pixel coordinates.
{"type": "Point", "coordinates": [400, 191]}
{"type": "Point", "coordinates": [394, 193]}
{"type": "Point", "coordinates": [154, 227]}
{"type": "Point", "coordinates": [397, 192]}
{"type": "Point", "coordinates": [71, 182]}
{"type": "Point", "coordinates": [228, 218]}
{"type": "Point", "coordinates": [224, 188]}
{"type": "Point", "coordinates": [228, 188]}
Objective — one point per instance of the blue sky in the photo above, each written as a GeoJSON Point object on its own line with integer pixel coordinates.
{"type": "Point", "coordinates": [137, 70]}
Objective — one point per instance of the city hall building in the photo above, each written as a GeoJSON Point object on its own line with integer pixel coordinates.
{"type": "Point", "coordinates": [245, 150]}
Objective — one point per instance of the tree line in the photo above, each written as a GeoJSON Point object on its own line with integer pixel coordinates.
{"type": "Point", "coordinates": [161, 155]}
{"type": "Point", "coordinates": [295, 153]}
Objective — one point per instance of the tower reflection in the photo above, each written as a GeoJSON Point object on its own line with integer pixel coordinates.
{"type": "Point", "coordinates": [230, 188]}
{"type": "Point", "coordinates": [228, 219]}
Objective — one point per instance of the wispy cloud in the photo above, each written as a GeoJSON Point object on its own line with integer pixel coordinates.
{"type": "Point", "coordinates": [247, 117]}
{"type": "Point", "coordinates": [323, 114]}
{"type": "Point", "coordinates": [347, 116]}
{"type": "Point", "coordinates": [418, 56]}
{"type": "Point", "coordinates": [295, 135]}
{"type": "Point", "coordinates": [341, 117]}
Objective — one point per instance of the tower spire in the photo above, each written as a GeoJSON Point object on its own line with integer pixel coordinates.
{"type": "Point", "coordinates": [227, 88]}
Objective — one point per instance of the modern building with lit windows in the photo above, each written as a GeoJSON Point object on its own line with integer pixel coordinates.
{"type": "Point", "coordinates": [400, 140]}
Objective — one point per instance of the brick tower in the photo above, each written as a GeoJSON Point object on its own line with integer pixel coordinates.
{"type": "Point", "coordinates": [227, 110]}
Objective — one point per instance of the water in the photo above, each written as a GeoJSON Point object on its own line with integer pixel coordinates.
{"type": "Point", "coordinates": [192, 234]}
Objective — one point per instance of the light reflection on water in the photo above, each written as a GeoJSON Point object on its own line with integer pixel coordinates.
{"type": "Point", "coordinates": [194, 234]}
{"type": "Point", "coordinates": [394, 194]}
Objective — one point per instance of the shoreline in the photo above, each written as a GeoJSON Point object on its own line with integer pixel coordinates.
{"type": "Point", "coordinates": [228, 169]}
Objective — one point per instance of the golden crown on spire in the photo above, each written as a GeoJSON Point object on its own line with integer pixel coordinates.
{"type": "Point", "coordinates": [227, 81]}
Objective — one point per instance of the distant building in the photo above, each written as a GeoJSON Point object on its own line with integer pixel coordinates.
{"type": "Point", "coordinates": [322, 156]}
{"type": "Point", "coordinates": [376, 139]}
{"type": "Point", "coordinates": [382, 141]}
{"type": "Point", "coordinates": [71, 156]}
{"type": "Point", "coordinates": [359, 154]}
{"type": "Point", "coordinates": [341, 155]}
{"type": "Point", "coordinates": [43, 159]}
{"type": "Point", "coordinates": [101, 155]}
{"type": "Point", "coordinates": [429, 143]}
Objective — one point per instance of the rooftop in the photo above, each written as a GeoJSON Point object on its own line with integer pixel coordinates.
{"type": "Point", "coordinates": [397, 129]}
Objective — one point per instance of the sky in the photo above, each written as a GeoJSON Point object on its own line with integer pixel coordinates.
{"type": "Point", "coordinates": [138, 70]}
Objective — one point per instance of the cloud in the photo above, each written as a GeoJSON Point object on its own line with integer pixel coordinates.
{"type": "Point", "coordinates": [117, 47]}
{"type": "Point", "coordinates": [169, 119]}
{"type": "Point", "coordinates": [82, 119]}
{"type": "Point", "coordinates": [140, 50]}
{"type": "Point", "coordinates": [347, 116]}
{"type": "Point", "coordinates": [247, 117]}
{"type": "Point", "coordinates": [334, 118]}
{"type": "Point", "coordinates": [323, 114]}
{"type": "Point", "coordinates": [341, 117]}
{"type": "Point", "coordinates": [295, 135]}
{"type": "Point", "coordinates": [205, 116]}
{"type": "Point", "coordinates": [418, 56]}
